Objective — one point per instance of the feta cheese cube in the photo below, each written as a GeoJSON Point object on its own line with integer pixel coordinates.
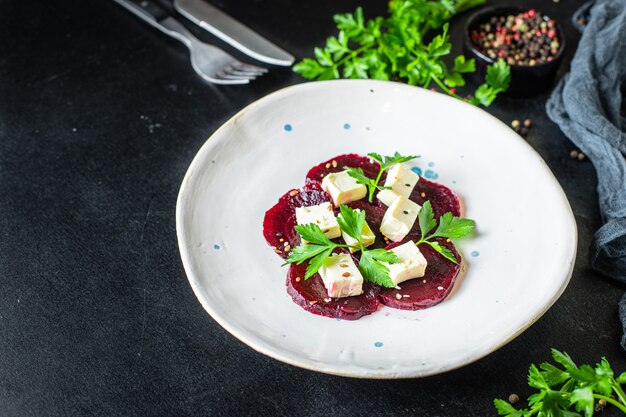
{"type": "Point", "coordinates": [341, 276]}
{"type": "Point", "coordinates": [343, 188]}
{"type": "Point", "coordinates": [399, 218]}
{"type": "Point", "coordinates": [412, 263]}
{"type": "Point", "coordinates": [321, 215]}
{"type": "Point", "coordinates": [367, 236]}
{"type": "Point", "coordinates": [401, 180]}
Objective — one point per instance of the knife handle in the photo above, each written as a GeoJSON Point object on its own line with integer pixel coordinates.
{"type": "Point", "coordinates": [160, 18]}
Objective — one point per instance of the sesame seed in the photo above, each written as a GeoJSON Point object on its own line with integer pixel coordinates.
{"type": "Point", "coordinates": [423, 195]}
{"type": "Point", "coordinates": [328, 165]}
{"type": "Point", "coordinates": [294, 192]}
{"type": "Point", "coordinates": [334, 164]}
{"type": "Point", "coordinates": [405, 212]}
{"type": "Point", "coordinates": [298, 279]}
{"type": "Point", "coordinates": [398, 296]}
{"type": "Point", "coordinates": [440, 288]}
{"type": "Point", "coordinates": [327, 300]}
{"type": "Point", "coordinates": [278, 251]}
{"type": "Point", "coordinates": [423, 281]}
{"type": "Point", "coordinates": [287, 248]}
{"type": "Point", "coordinates": [406, 296]}
{"type": "Point", "coordinates": [312, 302]}
{"type": "Point", "coordinates": [346, 274]}
{"type": "Point", "coordinates": [343, 265]}
{"type": "Point", "coordinates": [448, 240]}
{"type": "Point", "coordinates": [408, 185]}
{"type": "Point", "coordinates": [281, 240]}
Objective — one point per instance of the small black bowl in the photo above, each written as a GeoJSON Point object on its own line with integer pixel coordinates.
{"type": "Point", "coordinates": [526, 80]}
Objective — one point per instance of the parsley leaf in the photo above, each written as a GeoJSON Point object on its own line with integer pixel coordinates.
{"type": "Point", "coordinates": [387, 162]}
{"type": "Point", "coordinates": [373, 270]}
{"type": "Point", "coordinates": [319, 248]}
{"type": "Point", "coordinates": [560, 389]}
{"type": "Point", "coordinates": [351, 221]}
{"type": "Point", "coordinates": [450, 227]}
{"type": "Point", "coordinates": [426, 218]}
{"type": "Point", "coordinates": [395, 47]}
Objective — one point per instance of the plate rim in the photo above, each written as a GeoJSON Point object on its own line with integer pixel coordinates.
{"type": "Point", "coordinates": [318, 366]}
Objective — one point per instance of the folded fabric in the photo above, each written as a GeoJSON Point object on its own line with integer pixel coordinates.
{"type": "Point", "coordinates": [586, 105]}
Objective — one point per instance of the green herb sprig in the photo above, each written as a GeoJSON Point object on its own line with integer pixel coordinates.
{"type": "Point", "coordinates": [385, 163]}
{"type": "Point", "coordinates": [395, 48]}
{"type": "Point", "coordinates": [320, 248]}
{"type": "Point", "coordinates": [450, 227]}
{"type": "Point", "coordinates": [569, 386]}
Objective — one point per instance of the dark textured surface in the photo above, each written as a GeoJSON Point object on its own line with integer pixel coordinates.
{"type": "Point", "coordinates": [99, 118]}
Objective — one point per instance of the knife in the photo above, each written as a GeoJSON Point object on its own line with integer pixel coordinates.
{"type": "Point", "coordinates": [233, 32]}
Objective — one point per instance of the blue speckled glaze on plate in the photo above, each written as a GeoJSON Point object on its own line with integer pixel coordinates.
{"type": "Point", "coordinates": [430, 174]}
{"type": "Point", "coordinates": [216, 247]}
{"type": "Point", "coordinates": [417, 170]}
{"type": "Point", "coordinates": [379, 344]}
{"type": "Point", "coordinates": [287, 127]}
{"type": "Point", "coordinates": [431, 164]}
{"type": "Point", "coordinates": [475, 253]}
{"type": "Point", "coordinates": [346, 126]}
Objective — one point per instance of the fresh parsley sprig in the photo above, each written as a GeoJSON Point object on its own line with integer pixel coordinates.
{"type": "Point", "coordinates": [395, 47]}
{"type": "Point", "coordinates": [450, 227]}
{"type": "Point", "coordinates": [569, 386]}
{"type": "Point", "coordinates": [320, 248]}
{"type": "Point", "coordinates": [385, 163]}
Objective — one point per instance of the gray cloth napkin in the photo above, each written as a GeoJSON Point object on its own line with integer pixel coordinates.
{"type": "Point", "coordinates": [586, 106]}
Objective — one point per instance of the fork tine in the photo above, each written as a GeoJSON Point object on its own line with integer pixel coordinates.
{"type": "Point", "coordinates": [248, 67]}
{"type": "Point", "coordinates": [226, 75]}
{"type": "Point", "coordinates": [234, 71]}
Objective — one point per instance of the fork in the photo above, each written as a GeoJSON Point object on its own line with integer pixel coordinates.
{"type": "Point", "coordinates": [208, 61]}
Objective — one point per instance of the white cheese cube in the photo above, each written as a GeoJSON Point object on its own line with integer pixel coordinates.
{"type": "Point", "coordinates": [321, 215]}
{"type": "Point", "coordinates": [412, 263]}
{"type": "Point", "coordinates": [387, 197]}
{"type": "Point", "coordinates": [341, 276]}
{"type": "Point", "coordinates": [401, 180]}
{"type": "Point", "coordinates": [343, 188]}
{"type": "Point", "coordinates": [399, 218]}
{"type": "Point", "coordinates": [367, 236]}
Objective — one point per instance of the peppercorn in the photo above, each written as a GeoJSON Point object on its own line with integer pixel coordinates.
{"type": "Point", "coordinates": [513, 398]}
{"type": "Point", "coordinates": [573, 154]}
{"type": "Point", "coordinates": [515, 124]}
{"type": "Point", "coordinates": [581, 156]}
{"type": "Point", "coordinates": [528, 123]}
{"type": "Point", "coordinates": [527, 38]}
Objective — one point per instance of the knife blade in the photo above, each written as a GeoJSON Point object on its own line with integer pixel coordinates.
{"type": "Point", "coordinates": [233, 32]}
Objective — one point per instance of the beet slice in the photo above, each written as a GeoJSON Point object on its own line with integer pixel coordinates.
{"type": "Point", "coordinates": [279, 221]}
{"type": "Point", "coordinates": [340, 162]}
{"type": "Point", "coordinates": [440, 277]}
{"type": "Point", "coordinates": [312, 296]}
{"type": "Point", "coordinates": [442, 199]}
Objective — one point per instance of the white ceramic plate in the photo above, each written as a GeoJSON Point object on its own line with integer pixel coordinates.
{"type": "Point", "coordinates": [516, 266]}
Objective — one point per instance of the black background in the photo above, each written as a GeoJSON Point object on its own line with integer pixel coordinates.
{"type": "Point", "coordinates": [100, 115]}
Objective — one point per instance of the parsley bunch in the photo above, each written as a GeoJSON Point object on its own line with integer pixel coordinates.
{"type": "Point", "coordinates": [320, 247]}
{"type": "Point", "coordinates": [569, 386]}
{"type": "Point", "coordinates": [396, 48]}
{"type": "Point", "coordinates": [450, 227]}
{"type": "Point", "coordinates": [385, 163]}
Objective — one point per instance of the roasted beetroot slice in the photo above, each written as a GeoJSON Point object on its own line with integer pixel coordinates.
{"type": "Point", "coordinates": [279, 221]}
{"type": "Point", "coordinates": [442, 199]}
{"type": "Point", "coordinates": [311, 295]}
{"type": "Point", "coordinates": [440, 277]}
{"type": "Point", "coordinates": [339, 163]}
